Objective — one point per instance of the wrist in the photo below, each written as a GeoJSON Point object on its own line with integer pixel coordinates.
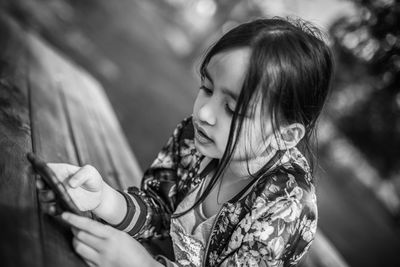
{"type": "Point", "coordinates": [112, 207]}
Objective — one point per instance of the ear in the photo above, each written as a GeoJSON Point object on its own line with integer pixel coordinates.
{"type": "Point", "coordinates": [288, 137]}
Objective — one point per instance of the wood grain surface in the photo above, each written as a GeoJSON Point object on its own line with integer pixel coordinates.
{"type": "Point", "coordinates": [49, 106]}
{"type": "Point", "coordinates": [19, 220]}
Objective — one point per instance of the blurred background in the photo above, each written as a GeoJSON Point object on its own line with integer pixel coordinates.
{"type": "Point", "coordinates": [146, 54]}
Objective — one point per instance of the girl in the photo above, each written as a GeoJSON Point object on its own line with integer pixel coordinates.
{"type": "Point", "coordinates": [231, 187]}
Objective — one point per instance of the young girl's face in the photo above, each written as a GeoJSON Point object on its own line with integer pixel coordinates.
{"type": "Point", "coordinates": [216, 102]}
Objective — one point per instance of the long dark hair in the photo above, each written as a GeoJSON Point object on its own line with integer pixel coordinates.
{"type": "Point", "coordinates": [290, 69]}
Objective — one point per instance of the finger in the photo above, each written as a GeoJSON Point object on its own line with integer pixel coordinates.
{"type": "Point", "coordinates": [40, 184]}
{"type": "Point", "coordinates": [86, 224]}
{"type": "Point", "coordinates": [85, 251]}
{"type": "Point", "coordinates": [89, 263]}
{"type": "Point", "coordinates": [81, 176]}
{"type": "Point", "coordinates": [51, 208]}
{"type": "Point", "coordinates": [63, 170]}
{"type": "Point", "coordinates": [46, 195]}
{"type": "Point", "coordinates": [89, 239]}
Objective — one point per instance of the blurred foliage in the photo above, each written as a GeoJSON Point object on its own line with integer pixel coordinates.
{"type": "Point", "coordinates": [366, 100]}
{"type": "Point", "coordinates": [192, 25]}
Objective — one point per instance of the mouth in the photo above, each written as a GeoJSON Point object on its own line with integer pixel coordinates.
{"type": "Point", "coordinates": [200, 135]}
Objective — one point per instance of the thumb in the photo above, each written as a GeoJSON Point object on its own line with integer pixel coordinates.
{"type": "Point", "coordinates": [63, 170]}
{"type": "Point", "coordinates": [82, 176]}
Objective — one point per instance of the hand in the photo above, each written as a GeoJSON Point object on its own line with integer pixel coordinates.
{"type": "Point", "coordinates": [84, 185]}
{"type": "Point", "coordinates": [102, 245]}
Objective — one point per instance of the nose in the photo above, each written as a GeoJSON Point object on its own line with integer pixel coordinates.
{"type": "Point", "coordinates": [207, 114]}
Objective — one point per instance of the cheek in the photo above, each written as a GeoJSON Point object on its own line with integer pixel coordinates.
{"type": "Point", "coordinates": [225, 134]}
{"type": "Point", "coordinates": [197, 104]}
{"type": "Point", "coordinates": [222, 132]}
{"type": "Point", "coordinates": [251, 140]}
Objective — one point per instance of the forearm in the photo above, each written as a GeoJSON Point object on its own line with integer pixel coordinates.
{"type": "Point", "coordinates": [113, 207]}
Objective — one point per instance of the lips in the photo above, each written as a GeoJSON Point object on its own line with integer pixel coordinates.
{"type": "Point", "coordinates": [201, 135]}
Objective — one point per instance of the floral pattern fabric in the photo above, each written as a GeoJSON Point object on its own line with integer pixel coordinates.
{"type": "Point", "coordinates": [190, 232]}
{"type": "Point", "coordinates": [272, 225]}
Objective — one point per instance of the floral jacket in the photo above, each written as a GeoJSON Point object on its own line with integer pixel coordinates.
{"type": "Point", "coordinates": [273, 225]}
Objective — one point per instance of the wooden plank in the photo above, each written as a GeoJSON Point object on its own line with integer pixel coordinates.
{"type": "Point", "coordinates": [52, 140]}
{"type": "Point", "coordinates": [69, 128]}
{"type": "Point", "coordinates": [127, 169]}
{"type": "Point", "coordinates": [96, 131]}
{"type": "Point", "coordinates": [20, 241]}
{"type": "Point", "coordinates": [81, 117]}
{"type": "Point", "coordinates": [83, 129]}
{"type": "Point", "coordinates": [86, 130]}
{"type": "Point", "coordinates": [85, 92]}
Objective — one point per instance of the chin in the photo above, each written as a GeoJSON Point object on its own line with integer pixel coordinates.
{"type": "Point", "coordinates": [208, 151]}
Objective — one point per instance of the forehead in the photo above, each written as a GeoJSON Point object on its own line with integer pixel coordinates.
{"type": "Point", "coordinates": [228, 68]}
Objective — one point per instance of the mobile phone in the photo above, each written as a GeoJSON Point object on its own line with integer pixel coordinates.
{"type": "Point", "coordinates": [50, 178]}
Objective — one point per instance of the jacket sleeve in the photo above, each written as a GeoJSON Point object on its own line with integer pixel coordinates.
{"type": "Point", "coordinates": [150, 207]}
{"type": "Point", "coordinates": [280, 237]}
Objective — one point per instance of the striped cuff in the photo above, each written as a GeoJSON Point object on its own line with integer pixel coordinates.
{"type": "Point", "coordinates": [134, 218]}
{"type": "Point", "coordinates": [165, 261]}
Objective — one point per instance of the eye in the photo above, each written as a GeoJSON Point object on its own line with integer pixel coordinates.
{"type": "Point", "coordinates": [206, 90]}
{"type": "Point", "coordinates": [229, 110]}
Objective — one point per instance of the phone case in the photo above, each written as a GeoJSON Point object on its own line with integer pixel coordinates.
{"type": "Point", "coordinates": [56, 185]}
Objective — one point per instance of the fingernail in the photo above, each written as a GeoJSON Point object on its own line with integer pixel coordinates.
{"type": "Point", "coordinates": [52, 210]}
{"type": "Point", "coordinates": [72, 183]}
{"type": "Point", "coordinates": [64, 216]}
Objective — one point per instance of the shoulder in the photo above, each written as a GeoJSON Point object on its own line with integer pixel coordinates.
{"type": "Point", "coordinates": [280, 218]}
{"type": "Point", "coordinates": [181, 137]}
{"type": "Point", "coordinates": [188, 156]}
{"type": "Point", "coordinates": [184, 138]}
{"type": "Point", "coordinates": [287, 208]}
{"type": "Point", "coordinates": [290, 186]}
{"type": "Point", "coordinates": [180, 143]}
{"type": "Point", "coordinates": [291, 178]}
{"type": "Point", "coordinates": [184, 129]}
{"type": "Point", "coordinates": [289, 190]}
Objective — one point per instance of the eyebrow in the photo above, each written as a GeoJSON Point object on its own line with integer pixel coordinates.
{"type": "Point", "coordinates": [224, 90]}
